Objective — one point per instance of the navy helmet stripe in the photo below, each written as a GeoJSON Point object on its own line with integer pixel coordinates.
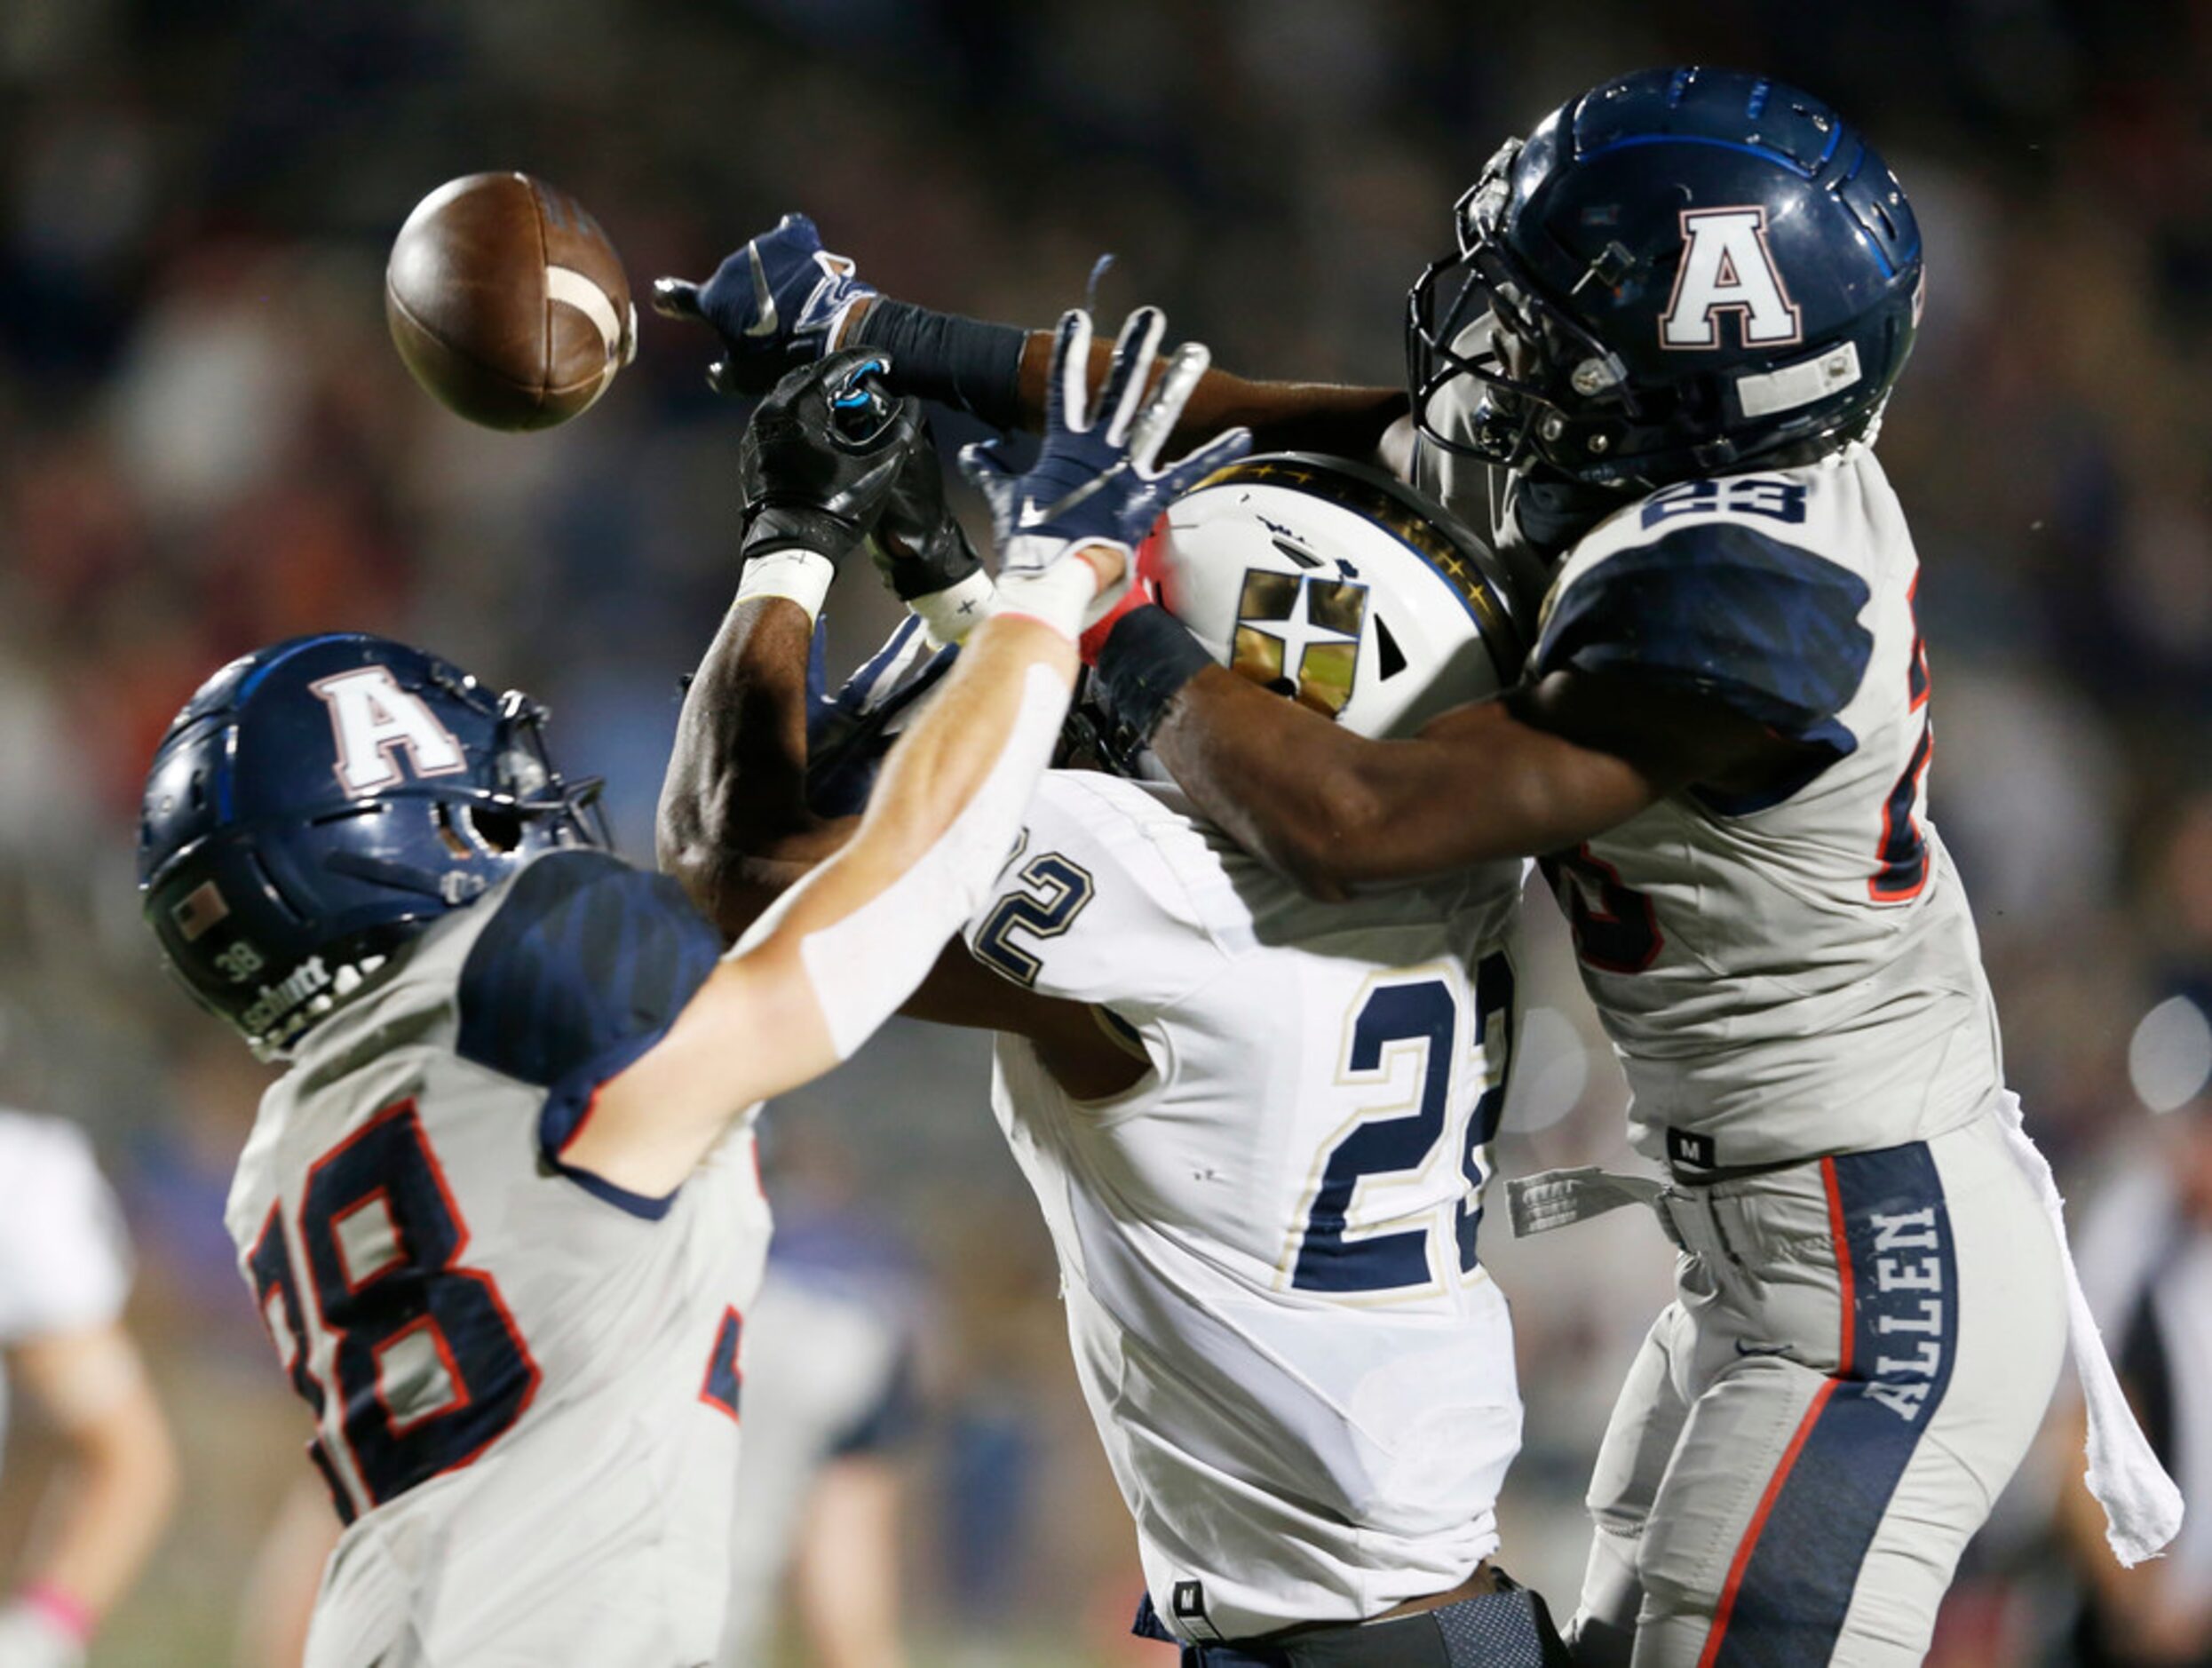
{"type": "Point", "coordinates": [298, 646]}
{"type": "Point", "coordinates": [1765, 153]}
{"type": "Point", "coordinates": [1792, 1585]}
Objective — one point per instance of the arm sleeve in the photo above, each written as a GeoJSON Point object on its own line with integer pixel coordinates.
{"type": "Point", "coordinates": [1767, 629]}
{"type": "Point", "coordinates": [584, 968]}
{"type": "Point", "coordinates": [65, 1259]}
{"type": "Point", "coordinates": [1101, 902]}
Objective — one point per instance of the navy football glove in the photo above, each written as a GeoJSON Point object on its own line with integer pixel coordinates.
{"type": "Point", "coordinates": [1098, 479]}
{"type": "Point", "coordinates": [821, 455]}
{"type": "Point", "coordinates": [776, 303]}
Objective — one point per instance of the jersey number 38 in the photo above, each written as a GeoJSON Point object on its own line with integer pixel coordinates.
{"type": "Point", "coordinates": [426, 1360]}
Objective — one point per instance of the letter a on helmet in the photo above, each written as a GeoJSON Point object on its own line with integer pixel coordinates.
{"type": "Point", "coordinates": [1727, 267]}
{"type": "Point", "coordinates": [372, 718]}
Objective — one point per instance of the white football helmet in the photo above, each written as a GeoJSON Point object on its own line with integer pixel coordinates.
{"type": "Point", "coordinates": [1341, 587]}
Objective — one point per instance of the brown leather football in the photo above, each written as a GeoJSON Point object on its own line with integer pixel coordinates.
{"type": "Point", "coordinates": [507, 302]}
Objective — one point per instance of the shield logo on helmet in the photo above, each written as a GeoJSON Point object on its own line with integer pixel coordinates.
{"type": "Point", "coordinates": [1300, 634]}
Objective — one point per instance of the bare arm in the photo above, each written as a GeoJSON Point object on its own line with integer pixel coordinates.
{"type": "Point", "coordinates": [779, 300]}
{"type": "Point", "coordinates": [1343, 419]}
{"type": "Point", "coordinates": [845, 1576]}
{"type": "Point", "coordinates": [123, 1464]}
{"type": "Point", "coordinates": [734, 829]}
{"type": "Point", "coordinates": [735, 834]}
{"type": "Point", "coordinates": [1314, 416]}
{"type": "Point", "coordinates": [1534, 771]}
{"type": "Point", "coordinates": [837, 953]}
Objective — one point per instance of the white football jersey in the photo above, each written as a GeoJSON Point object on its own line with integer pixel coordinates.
{"type": "Point", "coordinates": [65, 1260]}
{"type": "Point", "coordinates": [524, 1381]}
{"type": "Point", "coordinates": [1302, 1373]}
{"type": "Point", "coordinates": [1794, 972]}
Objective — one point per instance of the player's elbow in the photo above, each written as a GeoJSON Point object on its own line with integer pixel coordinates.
{"type": "Point", "coordinates": [713, 880]}
{"type": "Point", "coordinates": [697, 844]}
{"type": "Point", "coordinates": [725, 881]}
{"type": "Point", "coordinates": [686, 858]}
{"type": "Point", "coordinates": [685, 853]}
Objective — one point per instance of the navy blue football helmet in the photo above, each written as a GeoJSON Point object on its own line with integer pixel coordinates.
{"type": "Point", "coordinates": [318, 803]}
{"type": "Point", "coordinates": [1682, 271]}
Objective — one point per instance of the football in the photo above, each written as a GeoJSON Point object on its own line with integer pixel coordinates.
{"type": "Point", "coordinates": [507, 301]}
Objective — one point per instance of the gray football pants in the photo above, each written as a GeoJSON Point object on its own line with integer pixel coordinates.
{"type": "Point", "coordinates": [1859, 1356]}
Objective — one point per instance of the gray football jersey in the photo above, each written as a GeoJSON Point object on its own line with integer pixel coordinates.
{"type": "Point", "coordinates": [524, 1381]}
{"type": "Point", "coordinates": [1794, 971]}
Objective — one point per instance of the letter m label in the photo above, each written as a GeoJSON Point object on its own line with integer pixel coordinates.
{"type": "Point", "coordinates": [1727, 267]}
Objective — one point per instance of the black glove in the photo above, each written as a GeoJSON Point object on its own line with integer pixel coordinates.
{"type": "Point", "coordinates": [821, 455]}
{"type": "Point", "coordinates": [920, 548]}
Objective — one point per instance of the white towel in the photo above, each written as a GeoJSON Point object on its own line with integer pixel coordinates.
{"type": "Point", "coordinates": [2143, 1508]}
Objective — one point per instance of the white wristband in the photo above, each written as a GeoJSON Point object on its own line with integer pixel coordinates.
{"type": "Point", "coordinates": [1063, 591]}
{"type": "Point", "coordinates": [798, 574]}
{"type": "Point", "coordinates": [949, 615]}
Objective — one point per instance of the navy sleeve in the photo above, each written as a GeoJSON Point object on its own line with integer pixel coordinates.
{"type": "Point", "coordinates": [1767, 629]}
{"type": "Point", "coordinates": [582, 970]}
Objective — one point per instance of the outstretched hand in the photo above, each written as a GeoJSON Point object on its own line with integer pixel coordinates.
{"type": "Point", "coordinates": [778, 302]}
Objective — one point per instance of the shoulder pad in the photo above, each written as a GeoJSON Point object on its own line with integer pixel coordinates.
{"type": "Point", "coordinates": [583, 954]}
{"type": "Point", "coordinates": [1722, 609]}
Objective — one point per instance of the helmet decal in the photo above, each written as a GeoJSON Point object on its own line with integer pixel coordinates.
{"type": "Point", "coordinates": [1728, 267]}
{"type": "Point", "coordinates": [1390, 506]}
{"type": "Point", "coordinates": [371, 718]}
{"type": "Point", "coordinates": [199, 909]}
{"type": "Point", "coordinates": [1300, 631]}
{"type": "Point", "coordinates": [1575, 329]}
{"type": "Point", "coordinates": [1334, 585]}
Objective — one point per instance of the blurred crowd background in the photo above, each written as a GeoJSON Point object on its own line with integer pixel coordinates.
{"type": "Point", "coordinates": [207, 442]}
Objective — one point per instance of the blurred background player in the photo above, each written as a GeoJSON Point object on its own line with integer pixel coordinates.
{"type": "Point", "coordinates": [511, 1153]}
{"type": "Point", "coordinates": [833, 1401]}
{"type": "Point", "coordinates": [64, 1275]}
{"type": "Point", "coordinates": [2146, 1263]}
